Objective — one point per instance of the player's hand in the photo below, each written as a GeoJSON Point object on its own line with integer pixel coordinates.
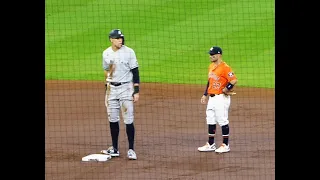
{"type": "Point", "coordinates": [135, 97]}
{"type": "Point", "coordinates": [106, 85]}
{"type": "Point", "coordinates": [203, 99]}
{"type": "Point", "coordinates": [226, 92]}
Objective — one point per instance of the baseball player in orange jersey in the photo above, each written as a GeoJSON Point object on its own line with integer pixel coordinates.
{"type": "Point", "coordinates": [221, 80]}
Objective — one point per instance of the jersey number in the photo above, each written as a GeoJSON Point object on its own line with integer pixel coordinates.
{"type": "Point", "coordinates": [216, 85]}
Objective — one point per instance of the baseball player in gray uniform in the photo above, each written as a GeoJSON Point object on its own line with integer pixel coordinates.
{"type": "Point", "coordinates": [122, 90]}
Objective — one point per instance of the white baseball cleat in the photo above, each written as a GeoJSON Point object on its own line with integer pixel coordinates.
{"type": "Point", "coordinates": [223, 148]}
{"type": "Point", "coordinates": [207, 147]}
{"type": "Point", "coordinates": [132, 155]}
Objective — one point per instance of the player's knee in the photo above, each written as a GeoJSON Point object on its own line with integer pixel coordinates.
{"type": "Point", "coordinates": [210, 121]}
{"type": "Point", "coordinates": [222, 121]}
{"type": "Point", "coordinates": [225, 130]}
{"type": "Point", "coordinates": [128, 120]}
{"type": "Point", "coordinates": [113, 118]}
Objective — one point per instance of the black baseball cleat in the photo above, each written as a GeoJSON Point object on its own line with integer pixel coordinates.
{"type": "Point", "coordinates": [111, 151]}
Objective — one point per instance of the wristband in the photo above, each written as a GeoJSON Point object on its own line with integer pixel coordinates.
{"type": "Point", "coordinates": [136, 89]}
{"type": "Point", "coordinates": [206, 92]}
{"type": "Point", "coordinates": [229, 86]}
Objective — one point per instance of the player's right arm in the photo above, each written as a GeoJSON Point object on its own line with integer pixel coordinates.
{"type": "Point", "coordinates": [105, 67]}
{"type": "Point", "coordinates": [204, 96]}
{"type": "Point", "coordinates": [206, 90]}
{"type": "Point", "coordinates": [106, 74]}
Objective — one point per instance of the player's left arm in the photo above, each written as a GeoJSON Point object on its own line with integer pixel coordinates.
{"type": "Point", "coordinates": [134, 66]}
{"type": "Point", "coordinates": [232, 80]}
{"type": "Point", "coordinates": [136, 79]}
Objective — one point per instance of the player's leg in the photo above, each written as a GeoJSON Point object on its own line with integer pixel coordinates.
{"type": "Point", "coordinates": [222, 117]}
{"type": "Point", "coordinates": [210, 119]}
{"type": "Point", "coordinates": [127, 110]}
{"type": "Point", "coordinates": [113, 110]}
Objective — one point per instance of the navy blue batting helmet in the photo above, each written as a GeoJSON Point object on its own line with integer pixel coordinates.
{"type": "Point", "coordinates": [116, 34]}
{"type": "Point", "coordinates": [215, 50]}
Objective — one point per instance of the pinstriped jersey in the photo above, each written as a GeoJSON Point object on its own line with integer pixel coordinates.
{"type": "Point", "coordinates": [219, 76]}
{"type": "Point", "coordinates": [119, 64]}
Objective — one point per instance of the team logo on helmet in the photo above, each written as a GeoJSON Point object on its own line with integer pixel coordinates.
{"type": "Point", "coordinates": [230, 74]}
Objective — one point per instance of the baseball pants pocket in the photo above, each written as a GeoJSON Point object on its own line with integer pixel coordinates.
{"type": "Point", "coordinates": [113, 110]}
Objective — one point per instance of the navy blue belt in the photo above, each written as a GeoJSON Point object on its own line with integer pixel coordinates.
{"type": "Point", "coordinates": [212, 95]}
{"type": "Point", "coordinates": [117, 83]}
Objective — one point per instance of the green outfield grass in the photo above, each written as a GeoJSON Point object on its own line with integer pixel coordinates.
{"type": "Point", "coordinates": [171, 38]}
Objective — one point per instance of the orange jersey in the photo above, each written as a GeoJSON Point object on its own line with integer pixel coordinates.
{"type": "Point", "coordinates": [219, 76]}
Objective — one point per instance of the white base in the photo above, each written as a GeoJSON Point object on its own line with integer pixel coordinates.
{"type": "Point", "coordinates": [96, 157]}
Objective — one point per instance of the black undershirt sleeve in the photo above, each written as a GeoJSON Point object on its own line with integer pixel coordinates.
{"type": "Point", "coordinates": [136, 77]}
{"type": "Point", "coordinates": [206, 90]}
